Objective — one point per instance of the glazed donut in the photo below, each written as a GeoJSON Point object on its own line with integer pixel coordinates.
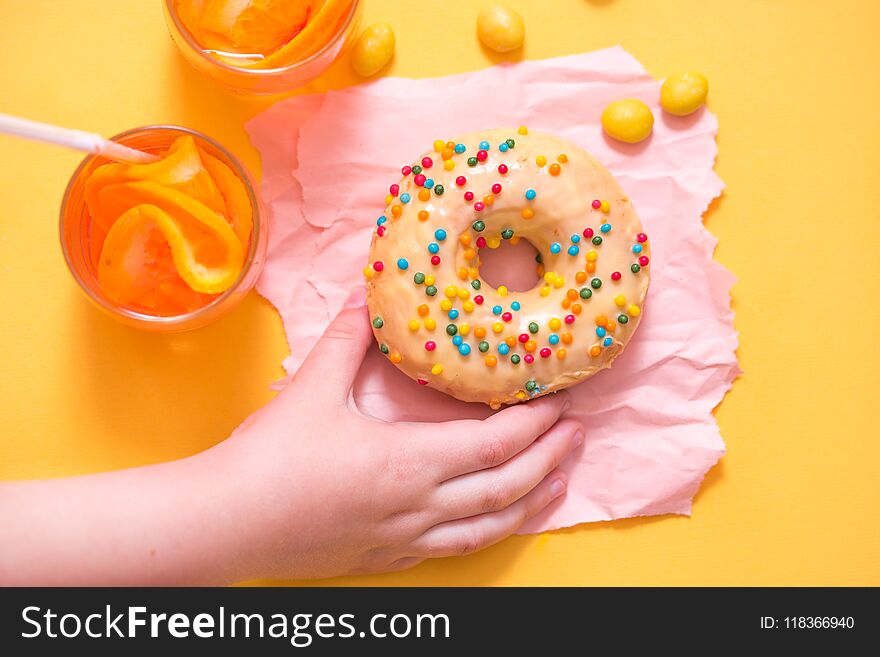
{"type": "Point", "coordinates": [438, 322]}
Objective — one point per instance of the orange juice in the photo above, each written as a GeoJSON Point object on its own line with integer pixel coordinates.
{"type": "Point", "coordinates": [168, 245]}
{"type": "Point", "coordinates": [262, 46]}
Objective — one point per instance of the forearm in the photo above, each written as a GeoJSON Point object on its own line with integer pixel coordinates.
{"type": "Point", "coordinates": [169, 523]}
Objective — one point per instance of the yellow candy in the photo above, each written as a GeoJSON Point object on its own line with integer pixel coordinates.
{"type": "Point", "coordinates": [497, 327]}
{"type": "Point", "coordinates": [468, 306]}
{"type": "Point", "coordinates": [540, 160]}
{"type": "Point", "coordinates": [549, 277]}
{"type": "Point", "coordinates": [437, 369]}
{"type": "Point", "coordinates": [373, 49]}
{"type": "Point", "coordinates": [446, 305]}
{"type": "Point", "coordinates": [464, 329]}
{"type": "Point", "coordinates": [439, 145]}
{"type": "Point", "coordinates": [449, 165]}
{"type": "Point", "coordinates": [493, 242]}
{"type": "Point", "coordinates": [502, 290]}
{"type": "Point", "coordinates": [451, 291]}
{"type": "Point", "coordinates": [368, 273]}
{"type": "Point", "coordinates": [620, 301]}
{"type": "Point", "coordinates": [628, 120]}
{"type": "Point", "coordinates": [605, 207]}
{"type": "Point", "coordinates": [429, 279]}
{"type": "Point", "coordinates": [413, 325]}
{"type": "Point", "coordinates": [545, 291]}
{"type": "Point", "coordinates": [430, 323]}
{"type": "Point", "coordinates": [591, 256]}
{"type": "Point", "coordinates": [463, 294]}
{"type": "Point", "coordinates": [500, 28]}
{"type": "Point", "coordinates": [558, 282]}
{"type": "Point", "coordinates": [522, 130]}
{"type": "Point", "coordinates": [555, 324]}
{"type": "Point", "coordinates": [684, 93]}
{"type": "Point", "coordinates": [634, 310]}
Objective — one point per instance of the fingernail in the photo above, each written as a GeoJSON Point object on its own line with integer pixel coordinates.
{"type": "Point", "coordinates": [557, 488]}
{"type": "Point", "coordinates": [577, 439]}
{"type": "Point", "coordinates": [356, 299]}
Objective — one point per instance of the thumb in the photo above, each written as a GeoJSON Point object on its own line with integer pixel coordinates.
{"type": "Point", "coordinates": [334, 361]}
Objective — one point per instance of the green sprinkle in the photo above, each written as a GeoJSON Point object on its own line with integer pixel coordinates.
{"type": "Point", "coordinates": [622, 319]}
{"type": "Point", "coordinates": [510, 143]}
{"type": "Point", "coordinates": [378, 323]}
{"type": "Point", "coordinates": [479, 225]}
{"type": "Point", "coordinates": [419, 278]}
{"type": "Point", "coordinates": [515, 359]}
{"type": "Point", "coordinates": [597, 240]}
{"type": "Point", "coordinates": [476, 284]}
{"type": "Point", "coordinates": [472, 161]}
{"type": "Point", "coordinates": [539, 259]}
{"type": "Point", "coordinates": [506, 234]}
{"type": "Point", "coordinates": [533, 327]}
{"type": "Point", "coordinates": [451, 329]}
{"type": "Point", "coordinates": [439, 189]}
{"type": "Point", "coordinates": [431, 290]}
{"type": "Point", "coordinates": [416, 170]}
{"type": "Point", "coordinates": [483, 346]}
{"type": "Point", "coordinates": [586, 293]}
{"type": "Point", "coordinates": [383, 348]}
{"type": "Point", "coordinates": [531, 385]}
{"type": "Point", "coordinates": [596, 283]}
{"type": "Point", "coordinates": [635, 269]}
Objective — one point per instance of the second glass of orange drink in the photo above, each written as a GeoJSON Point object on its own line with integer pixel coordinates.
{"type": "Point", "coordinates": [262, 46]}
{"type": "Point", "coordinates": [166, 246]}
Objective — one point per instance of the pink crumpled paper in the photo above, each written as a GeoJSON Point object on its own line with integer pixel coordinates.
{"type": "Point", "coordinates": [327, 160]}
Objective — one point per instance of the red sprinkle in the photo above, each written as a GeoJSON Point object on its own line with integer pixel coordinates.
{"type": "Point", "coordinates": [479, 299]}
{"type": "Point", "coordinates": [422, 382]}
{"type": "Point", "coordinates": [419, 179]}
{"type": "Point", "coordinates": [481, 242]}
{"type": "Point", "coordinates": [482, 156]}
{"type": "Point", "coordinates": [496, 188]}
{"type": "Point", "coordinates": [588, 232]}
{"type": "Point", "coordinates": [641, 237]}
{"type": "Point", "coordinates": [394, 190]}
{"type": "Point", "coordinates": [643, 261]}
{"type": "Point", "coordinates": [478, 206]}
{"type": "Point", "coordinates": [529, 358]}
{"type": "Point", "coordinates": [523, 337]}
{"type": "Point", "coordinates": [596, 204]}
{"type": "Point", "coordinates": [545, 352]}
{"type": "Point", "coordinates": [569, 319]}
{"type": "Point", "coordinates": [502, 169]}
{"type": "Point", "coordinates": [378, 265]}
{"type": "Point", "coordinates": [427, 162]}
{"type": "Point", "coordinates": [406, 170]}
{"type": "Point", "coordinates": [615, 276]}
{"type": "Point", "coordinates": [461, 181]}
{"type": "Point", "coordinates": [380, 231]}
{"type": "Point", "coordinates": [430, 345]}
{"type": "Point", "coordinates": [435, 260]}
{"type": "Point", "coordinates": [507, 317]}
{"type": "Point", "coordinates": [468, 196]}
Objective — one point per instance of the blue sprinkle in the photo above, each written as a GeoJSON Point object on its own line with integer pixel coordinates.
{"type": "Point", "coordinates": [607, 342]}
{"type": "Point", "coordinates": [402, 264]}
{"type": "Point", "coordinates": [503, 349]}
{"type": "Point", "coordinates": [556, 247]}
{"type": "Point", "coordinates": [457, 340]}
{"type": "Point", "coordinates": [503, 147]}
{"type": "Point", "coordinates": [605, 228]}
{"type": "Point", "coordinates": [600, 331]}
{"type": "Point", "coordinates": [381, 220]}
{"type": "Point", "coordinates": [573, 250]}
{"type": "Point", "coordinates": [575, 239]}
{"type": "Point", "coordinates": [637, 248]}
{"type": "Point", "coordinates": [531, 194]}
{"type": "Point", "coordinates": [553, 339]}
{"type": "Point", "coordinates": [453, 314]}
{"type": "Point", "coordinates": [429, 183]}
{"type": "Point", "coordinates": [484, 145]}
{"type": "Point", "coordinates": [440, 234]}
{"type": "Point", "coordinates": [433, 247]}
{"type": "Point", "coordinates": [496, 310]}
{"type": "Point", "coordinates": [464, 349]}
{"type": "Point", "coordinates": [404, 198]}
{"type": "Point", "coordinates": [460, 148]}
{"type": "Point", "coordinates": [515, 305]}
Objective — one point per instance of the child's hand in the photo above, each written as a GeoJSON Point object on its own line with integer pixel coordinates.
{"type": "Point", "coordinates": [324, 490]}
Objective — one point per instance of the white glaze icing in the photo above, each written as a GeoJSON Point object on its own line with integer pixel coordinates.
{"type": "Point", "coordinates": [562, 208]}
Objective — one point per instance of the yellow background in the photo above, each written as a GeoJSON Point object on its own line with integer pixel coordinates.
{"type": "Point", "coordinates": [796, 89]}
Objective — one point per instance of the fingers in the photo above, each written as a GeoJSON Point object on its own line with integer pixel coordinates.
{"type": "Point", "coordinates": [471, 445]}
{"type": "Point", "coordinates": [336, 358]}
{"type": "Point", "coordinates": [460, 537]}
{"type": "Point", "coordinates": [488, 491]}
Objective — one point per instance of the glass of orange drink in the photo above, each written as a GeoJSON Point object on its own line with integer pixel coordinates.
{"type": "Point", "coordinates": [262, 46]}
{"type": "Point", "coordinates": [166, 246]}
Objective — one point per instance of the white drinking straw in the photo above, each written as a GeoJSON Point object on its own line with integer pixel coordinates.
{"type": "Point", "coordinates": [75, 139]}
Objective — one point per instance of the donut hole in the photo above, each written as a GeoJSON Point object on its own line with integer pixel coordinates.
{"type": "Point", "coordinates": [511, 265]}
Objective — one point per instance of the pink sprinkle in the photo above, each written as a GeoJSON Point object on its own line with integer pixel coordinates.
{"type": "Point", "coordinates": [496, 188]}
{"type": "Point", "coordinates": [643, 261]}
{"type": "Point", "coordinates": [545, 352]}
{"type": "Point", "coordinates": [478, 206]}
{"type": "Point", "coordinates": [380, 231]}
{"type": "Point", "coordinates": [430, 345]}
{"type": "Point", "coordinates": [394, 190]}
{"type": "Point", "coordinates": [641, 237]}
{"type": "Point", "coordinates": [523, 337]}
{"type": "Point", "coordinates": [479, 299]}
{"type": "Point", "coordinates": [378, 265]}
{"type": "Point", "coordinates": [468, 196]}
{"type": "Point", "coordinates": [422, 382]}
{"type": "Point", "coordinates": [507, 317]}
{"type": "Point", "coordinates": [406, 170]}
{"type": "Point", "coordinates": [615, 276]}
{"type": "Point", "coordinates": [419, 179]}
{"type": "Point", "coordinates": [569, 319]}
{"type": "Point", "coordinates": [502, 169]}
{"type": "Point", "coordinates": [588, 232]}
{"type": "Point", "coordinates": [461, 181]}
{"type": "Point", "coordinates": [596, 204]}
{"type": "Point", "coordinates": [481, 242]}
{"type": "Point", "coordinates": [529, 358]}
{"type": "Point", "coordinates": [435, 260]}
{"type": "Point", "coordinates": [427, 162]}
{"type": "Point", "coordinates": [482, 156]}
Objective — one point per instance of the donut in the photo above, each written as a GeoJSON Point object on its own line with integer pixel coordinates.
{"type": "Point", "coordinates": [440, 324]}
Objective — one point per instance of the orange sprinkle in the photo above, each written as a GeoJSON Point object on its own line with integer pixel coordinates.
{"type": "Point", "coordinates": [580, 277]}
{"type": "Point", "coordinates": [447, 153]}
{"type": "Point", "coordinates": [527, 213]}
{"type": "Point", "coordinates": [465, 239]}
{"type": "Point", "coordinates": [566, 303]}
{"type": "Point", "coordinates": [423, 215]}
{"type": "Point", "coordinates": [566, 338]}
{"type": "Point", "coordinates": [591, 267]}
{"type": "Point", "coordinates": [450, 145]}
{"type": "Point", "coordinates": [555, 169]}
{"type": "Point", "coordinates": [395, 357]}
{"type": "Point", "coordinates": [491, 360]}
{"type": "Point", "coordinates": [424, 195]}
{"type": "Point", "coordinates": [563, 158]}
{"type": "Point", "coordinates": [601, 320]}
{"type": "Point", "coordinates": [396, 210]}
{"type": "Point", "coordinates": [610, 326]}
{"type": "Point", "coordinates": [531, 345]}
{"type": "Point", "coordinates": [473, 272]}
{"type": "Point", "coordinates": [462, 273]}
{"type": "Point", "coordinates": [576, 308]}
{"type": "Point", "coordinates": [489, 199]}
{"type": "Point", "coordinates": [423, 309]}
{"type": "Point", "coordinates": [572, 294]}
{"type": "Point", "coordinates": [595, 350]}
{"type": "Point", "coordinates": [510, 341]}
{"type": "Point", "coordinates": [560, 354]}
{"type": "Point", "coordinates": [480, 332]}
{"type": "Point", "coordinates": [469, 254]}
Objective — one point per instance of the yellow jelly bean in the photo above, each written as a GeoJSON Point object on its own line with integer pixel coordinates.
{"type": "Point", "coordinates": [628, 120]}
{"type": "Point", "coordinates": [373, 49]}
{"type": "Point", "coordinates": [413, 325]}
{"type": "Point", "coordinates": [446, 305]}
{"type": "Point", "coordinates": [684, 93]}
{"type": "Point", "coordinates": [437, 369]}
{"type": "Point", "coordinates": [500, 28]}
{"type": "Point", "coordinates": [430, 323]}
{"type": "Point", "coordinates": [502, 290]}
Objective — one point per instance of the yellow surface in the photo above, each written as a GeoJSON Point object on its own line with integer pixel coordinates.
{"type": "Point", "coordinates": [795, 86]}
